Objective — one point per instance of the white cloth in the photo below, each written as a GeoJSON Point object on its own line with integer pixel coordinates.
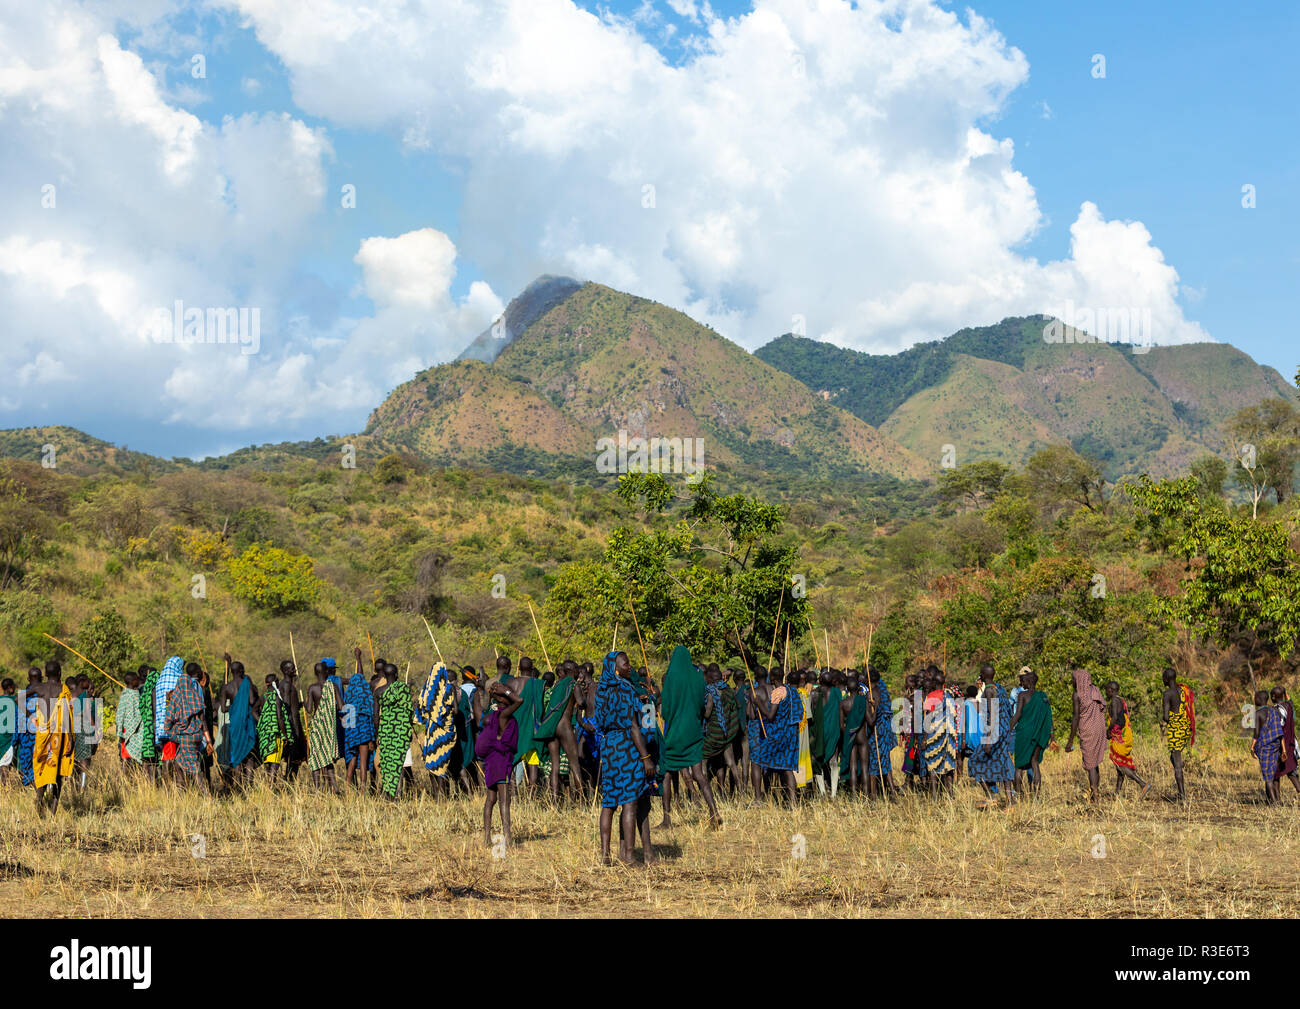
{"type": "Point", "coordinates": [8, 758]}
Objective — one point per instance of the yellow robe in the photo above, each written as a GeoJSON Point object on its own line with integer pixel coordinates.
{"type": "Point", "coordinates": [52, 757]}
{"type": "Point", "coordinates": [803, 772]}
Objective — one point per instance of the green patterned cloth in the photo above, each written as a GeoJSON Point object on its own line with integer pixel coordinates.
{"type": "Point", "coordinates": [394, 738]}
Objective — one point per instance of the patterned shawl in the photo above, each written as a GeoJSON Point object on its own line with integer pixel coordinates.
{"type": "Point", "coordinates": [437, 711]}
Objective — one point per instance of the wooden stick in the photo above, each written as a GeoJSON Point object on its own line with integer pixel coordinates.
{"type": "Point", "coordinates": [779, 603]}
{"type": "Point", "coordinates": [645, 662]}
{"type": "Point", "coordinates": [294, 655]}
{"type": "Point", "coordinates": [614, 644]}
{"type": "Point", "coordinates": [435, 641]}
{"type": "Point", "coordinates": [813, 634]}
{"type": "Point", "coordinates": [747, 673]}
{"type": "Point", "coordinates": [83, 658]}
{"type": "Point", "coordinates": [827, 638]}
{"type": "Point", "coordinates": [539, 637]}
{"type": "Point", "coordinates": [371, 644]}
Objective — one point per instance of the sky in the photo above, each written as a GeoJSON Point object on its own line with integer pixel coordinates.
{"type": "Point", "coordinates": [372, 184]}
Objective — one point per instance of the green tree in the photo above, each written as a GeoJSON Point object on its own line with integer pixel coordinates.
{"type": "Point", "coordinates": [105, 640]}
{"type": "Point", "coordinates": [273, 579]}
{"type": "Point", "coordinates": [1267, 437]}
{"type": "Point", "coordinates": [975, 483]}
{"type": "Point", "coordinates": [710, 576]}
{"type": "Point", "coordinates": [1060, 475]}
{"type": "Point", "coordinates": [1243, 578]}
{"type": "Point", "coordinates": [1211, 474]}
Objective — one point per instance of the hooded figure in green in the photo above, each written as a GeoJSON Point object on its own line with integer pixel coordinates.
{"type": "Point", "coordinates": [682, 701]}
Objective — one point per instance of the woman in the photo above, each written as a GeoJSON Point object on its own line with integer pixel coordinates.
{"type": "Point", "coordinates": [626, 767]}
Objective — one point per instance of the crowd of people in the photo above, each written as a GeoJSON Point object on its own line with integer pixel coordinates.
{"type": "Point", "coordinates": [616, 733]}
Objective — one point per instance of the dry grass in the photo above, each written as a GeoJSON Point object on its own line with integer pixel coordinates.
{"type": "Point", "coordinates": [123, 849]}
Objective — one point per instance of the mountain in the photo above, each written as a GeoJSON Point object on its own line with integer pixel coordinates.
{"type": "Point", "coordinates": [71, 451]}
{"type": "Point", "coordinates": [1005, 392]}
{"type": "Point", "coordinates": [600, 361]}
{"type": "Point", "coordinates": [537, 298]}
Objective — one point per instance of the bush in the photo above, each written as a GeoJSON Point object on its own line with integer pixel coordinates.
{"type": "Point", "coordinates": [274, 580]}
{"type": "Point", "coordinates": [205, 549]}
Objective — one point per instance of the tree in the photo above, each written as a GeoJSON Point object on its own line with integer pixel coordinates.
{"type": "Point", "coordinates": [117, 512]}
{"type": "Point", "coordinates": [712, 577]}
{"type": "Point", "coordinates": [975, 483]}
{"type": "Point", "coordinates": [1243, 577]}
{"type": "Point", "coordinates": [1059, 475]}
{"type": "Point", "coordinates": [24, 529]}
{"type": "Point", "coordinates": [1267, 439]}
{"type": "Point", "coordinates": [1211, 473]}
{"type": "Point", "coordinates": [105, 640]}
{"type": "Point", "coordinates": [273, 579]}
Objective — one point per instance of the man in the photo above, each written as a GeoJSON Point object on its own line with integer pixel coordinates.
{"type": "Point", "coordinates": [1287, 767]}
{"type": "Point", "coordinates": [238, 702]}
{"type": "Point", "coordinates": [554, 730]}
{"type": "Point", "coordinates": [878, 735]}
{"type": "Point", "coordinates": [129, 725]}
{"type": "Point", "coordinates": [721, 728]}
{"type": "Point", "coordinates": [828, 728]}
{"type": "Point", "coordinates": [172, 671]}
{"type": "Point", "coordinates": [8, 727]}
{"type": "Point", "coordinates": [1088, 722]}
{"type": "Point", "coordinates": [940, 729]}
{"type": "Point", "coordinates": [52, 751]}
{"type": "Point", "coordinates": [393, 733]}
{"type": "Point", "coordinates": [1178, 718]}
{"type": "Point", "coordinates": [528, 687]}
{"type": "Point", "coordinates": [780, 707]}
{"type": "Point", "coordinates": [322, 707]}
{"type": "Point", "coordinates": [358, 725]}
{"type": "Point", "coordinates": [991, 762]}
{"type": "Point", "coordinates": [756, 730]}
{"type": "Point", "coordinates": [469, 703]}
{"type": "Point", "coordinates": [184, 725]}
{"type": "Point", "coordinates": [1267, 745]}
{"type": "Point", "coordinates": [274, 729]}
{"type": "Point", "coordinates": [684, 700]}
{"type": "Point", "coordinates": [85, 728]}
{"type": "Point", "coordinates": [853, 751]}
{"type": "Point", "coordinates": [1120, 734]}
{"type": "Point", "coordinates": [626, 767]}
{"type": "Point", "coordinates": [295, 750]}
{"type": "Point", "coordinates": [1033, 728]}
{"type": "Point", "coordinates": [149, 718]}
{"type": "Point", "coordinates": [436, 710]}
{"type": "Point", "coordinates": [24, 732]}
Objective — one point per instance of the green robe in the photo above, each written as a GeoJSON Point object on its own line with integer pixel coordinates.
{"type": "Point", "coordinates": [830, 729]}
{"type": "Point", "coordinates": [527, 714]}
{"type": "Point", "coordinates": [682, 700]}
{"type": "Point", "coordinates": [1034, 730]}
{"type": "Point", "coordinates": [857, 715]}
{"type": "Point", "coordinates": [552, 708]}
{"type": "Point", "coordinates": [393, 734]}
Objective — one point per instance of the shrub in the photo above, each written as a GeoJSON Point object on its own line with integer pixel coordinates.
{"type": "Point", "coordinates": [274, 580]}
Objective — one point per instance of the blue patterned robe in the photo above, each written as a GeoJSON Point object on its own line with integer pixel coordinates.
{"type": "Point", "coordinates": [622, 774]}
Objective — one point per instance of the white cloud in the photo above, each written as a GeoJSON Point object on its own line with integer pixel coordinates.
{"type": "Point", "coordinates": [153, 205]}
{"type": "Point", "coordinates": [812, 157]}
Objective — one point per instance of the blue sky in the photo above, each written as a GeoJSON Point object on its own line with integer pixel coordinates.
{"type": "Point", "coordinates": [918, 174]}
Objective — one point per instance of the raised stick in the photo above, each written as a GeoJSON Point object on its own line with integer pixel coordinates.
{"type": "Point", "coordinates": [83, 658]}
{"type": "Point", "coordinates": [747, 673]}
{"type": "Point", "coordinates": [539, 637]}
{"type": "Point", "coordinates": [434, 640]}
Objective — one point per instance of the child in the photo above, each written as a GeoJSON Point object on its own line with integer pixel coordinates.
{"type": "Point", "coordinates": [495, 747]}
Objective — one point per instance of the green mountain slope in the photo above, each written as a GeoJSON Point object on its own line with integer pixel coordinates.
{"type": "Point", "coordinates": [599, 362]}
{"type": "Point", "coordinates": [1004, 392]}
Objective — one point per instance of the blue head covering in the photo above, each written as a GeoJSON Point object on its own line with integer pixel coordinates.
{"type": "Point", "coordinates": [170, 676]}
